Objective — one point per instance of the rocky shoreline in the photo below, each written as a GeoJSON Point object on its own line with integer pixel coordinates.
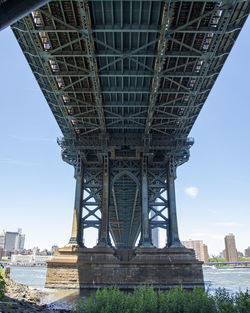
{"type": "Point", "coordinates": [20, 298]}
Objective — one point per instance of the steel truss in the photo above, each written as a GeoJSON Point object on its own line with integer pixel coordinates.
{"type": "Point", "coordinates": [167, 58]}
{"type": "Point", "coordinates": [135, 190]}
{"type": "Point", "coordinates": [158, 203]}
{"type": "Point", "coordinates": [126, 81]}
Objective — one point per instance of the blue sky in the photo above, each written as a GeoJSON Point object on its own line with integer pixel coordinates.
{"type": "Point", "coordinates": [37, 187]}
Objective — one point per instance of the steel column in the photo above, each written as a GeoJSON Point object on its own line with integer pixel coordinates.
{"type": "Point", "coordinates": [77, 229]}
{"type": "Point", "coordinates": [104, 240]}
{"type": "Point", "coordinates": [145, 234]}
{"type": "Point", "coordinates": [173, 236]}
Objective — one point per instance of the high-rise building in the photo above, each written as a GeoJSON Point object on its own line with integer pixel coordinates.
{"type": "Point", "coordinates": [230, 247]}
{"type": "Point", "coordinates": [247, 252]}
{"type": "Point", "coordinates": [20, 239]}
{"type": "Point", "coordinates": [53, 248]}
{"type": "Point", "coordinates": [198, 247]}
{"type": "Point", "coordinates": [2, 239]}
{"type": "Point", "coordinates": [206, 255]}
{"type": "Point", "coordinates": [35, 250]}
{"type": "Point", "coordinates": [12, 241]}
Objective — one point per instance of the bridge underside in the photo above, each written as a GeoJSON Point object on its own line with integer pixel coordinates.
{"type": "Point", "coordinates": [126, 81]}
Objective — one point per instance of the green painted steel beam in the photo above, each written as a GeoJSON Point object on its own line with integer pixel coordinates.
{"type": "Point", "coordinates": [124, 69]}
{"type": "Point", "coordinates": [137, 29]}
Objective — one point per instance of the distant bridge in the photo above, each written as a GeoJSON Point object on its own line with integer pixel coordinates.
{"type": "Point", "coordinates": [245, 263]}
{"type": "Point", "coordinates": [26, 264]}
{"type": "Point", "coordinates": [125, 81]}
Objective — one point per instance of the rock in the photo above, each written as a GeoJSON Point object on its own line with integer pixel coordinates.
{"type": "Point", "coordinates": [21, 299]}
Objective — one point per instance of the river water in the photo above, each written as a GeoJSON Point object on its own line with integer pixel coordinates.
{"type": "Point", "coordinates": [233, 280]}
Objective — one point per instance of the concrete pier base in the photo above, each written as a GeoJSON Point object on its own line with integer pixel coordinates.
{"type": "Point", "coordinates": [73, 267]}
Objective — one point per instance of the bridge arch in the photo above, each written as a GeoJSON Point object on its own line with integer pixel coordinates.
{"type": "Point", "coordinates": [124, 173]}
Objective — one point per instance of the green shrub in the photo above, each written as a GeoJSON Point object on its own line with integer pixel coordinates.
{"type": "Point", "coordinates": [2, 284]}
{"type": "Point", "coordinates": [106, 300]}
{"type": "Point", "coordinates": [144, 300]}
{"type": "Point", "coordinates": [199, 301]}
{"type": "Point", "coordinates": [217, 259]}
{"type": "Point", "coordinates": [242, 302]}
{"type": "Point", "coordinates": [224, 301]}
{"type": "Point", "coordinates": [172, 301]}
{"type": "Point", "coordinates": [176, 300]}
{"type": "Point", "coordinates": [232, 303]}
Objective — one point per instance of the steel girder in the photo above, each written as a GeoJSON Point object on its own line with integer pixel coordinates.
{"type": "Point", "coordinates": [164, 56]}
{"type": "Point", "coordinates": [127, 79]}
{"type": "Point", "coordinates": [11, 11]}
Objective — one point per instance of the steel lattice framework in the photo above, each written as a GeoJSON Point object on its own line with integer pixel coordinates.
{"type": "Point", "coordinates": [125, 81]}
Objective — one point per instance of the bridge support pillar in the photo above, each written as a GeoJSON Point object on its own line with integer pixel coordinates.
{"type": "Point", "coordinates": [76, 238]}
{"type": "Point", "coordinates": [103, 240]}
{"type": "Point", "coordinates": [91, 268]}
{"type": "Point", "coordinates": [145, 235]}
{"type": "Point", "coordinates": [173, 236]}
{"type": "Point", "coordinates": [99, 267]}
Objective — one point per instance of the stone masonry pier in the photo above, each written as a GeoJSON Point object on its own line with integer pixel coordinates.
{"type": "Point", "coordinates": [95, 268]}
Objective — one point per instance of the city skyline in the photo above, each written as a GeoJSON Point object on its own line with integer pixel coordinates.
{"type": "Point", "coordinates": [37, 187]}
{"type": "Point", "coordinates": [230, 253]}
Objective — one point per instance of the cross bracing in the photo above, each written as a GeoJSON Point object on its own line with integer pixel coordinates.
{"type": "Point", "coordinates": [86, 55]}
{"type": "Point", "coordinates": [127, 79]}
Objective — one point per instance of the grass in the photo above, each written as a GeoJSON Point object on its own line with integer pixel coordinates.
{"type": "Point", "coordinates": [176, 300]}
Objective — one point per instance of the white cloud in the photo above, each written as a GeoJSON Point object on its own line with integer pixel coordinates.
{"type": "Point", "coordinates": [191, 191]}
